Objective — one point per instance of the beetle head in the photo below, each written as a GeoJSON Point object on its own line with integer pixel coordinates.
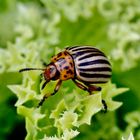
{"type": "Point", "coordinates": [50, 73]}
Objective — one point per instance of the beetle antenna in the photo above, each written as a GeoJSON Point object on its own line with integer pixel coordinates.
{"type": "Point", "coordinates": [28, 69]}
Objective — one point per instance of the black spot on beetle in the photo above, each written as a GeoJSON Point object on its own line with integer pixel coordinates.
{"type": "Point", "coordinates": [65, 76]}
{"type": "Point", "coordinates": [71, 64]}
{"type": "Point", "coordinates": [69, 72]}
{"type": "Point", "coordinates": [66, 67]}
{"type": "Point", "coordinates": [59, 54]}
{"type": "Point", "coordinates": [65, 53]}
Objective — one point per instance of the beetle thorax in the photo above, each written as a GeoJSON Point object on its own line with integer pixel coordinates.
{"type": "Point", "coordinates": [64, 64]}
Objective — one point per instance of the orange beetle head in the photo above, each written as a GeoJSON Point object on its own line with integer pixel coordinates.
{"type": "Point", "coordinates": [50, 73]}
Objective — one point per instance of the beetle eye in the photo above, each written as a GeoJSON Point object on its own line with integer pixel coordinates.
{"type": "Point", "coordinates": [51, 69]}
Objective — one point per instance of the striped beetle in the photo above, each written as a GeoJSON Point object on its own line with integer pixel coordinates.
{"type": "Point", "coordinates": [85, 65]}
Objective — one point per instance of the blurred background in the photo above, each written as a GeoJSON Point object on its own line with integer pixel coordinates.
{"type": "Point", "coordinates": [28, 28]}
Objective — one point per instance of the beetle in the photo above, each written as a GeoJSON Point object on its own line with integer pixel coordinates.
{"type": "Point", "coordinates": [85, 65]}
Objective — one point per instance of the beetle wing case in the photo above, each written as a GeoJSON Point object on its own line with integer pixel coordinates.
{"type": "Point", "coordinates": [91, 65]}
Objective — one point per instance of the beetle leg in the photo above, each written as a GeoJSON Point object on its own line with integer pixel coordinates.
{"type": "Point", "coordinates": [41, 77]}
{"type": "Point", "coordinates": [104, 106]}
{"type": "Point", "coordinates": [44, 84]}
{"type": "Point", "coordinates": [92, 88]}
{"type": "Point", "coordinates": [46, 95]}
{"type": "Point", "coordinates": [95, 88]}
{"type": "Point", "coordinates": [83, 87]}
{"type": "Point", "coordinates": [57, 87]}
{"type": "Point", "coordinates": [89, 87]}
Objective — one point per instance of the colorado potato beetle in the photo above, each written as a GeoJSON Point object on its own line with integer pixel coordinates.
{"type": "Point", "coordinates": [85, 65]}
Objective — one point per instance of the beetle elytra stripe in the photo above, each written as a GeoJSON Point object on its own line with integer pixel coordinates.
{"type": "Point", "coordinates": [78, 48]}
{"type": "Point", "coordinates": [96, 69]}
{"type": "Point", "coordinates": [93, 58]}
{"type": "Point", "coordinates": [93, 80]}
{"type": "Point", "coordinates": [89, 55]}
{"type": "Point", "coordinates": [94, 62]}
{"type": "Point", "coordinates": [88, 75]}
{"type": "Point", "coordinates": [91, 65]}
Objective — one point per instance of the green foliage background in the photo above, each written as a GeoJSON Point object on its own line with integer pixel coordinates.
{"type": "Point", "coordinates": [31, 31]}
